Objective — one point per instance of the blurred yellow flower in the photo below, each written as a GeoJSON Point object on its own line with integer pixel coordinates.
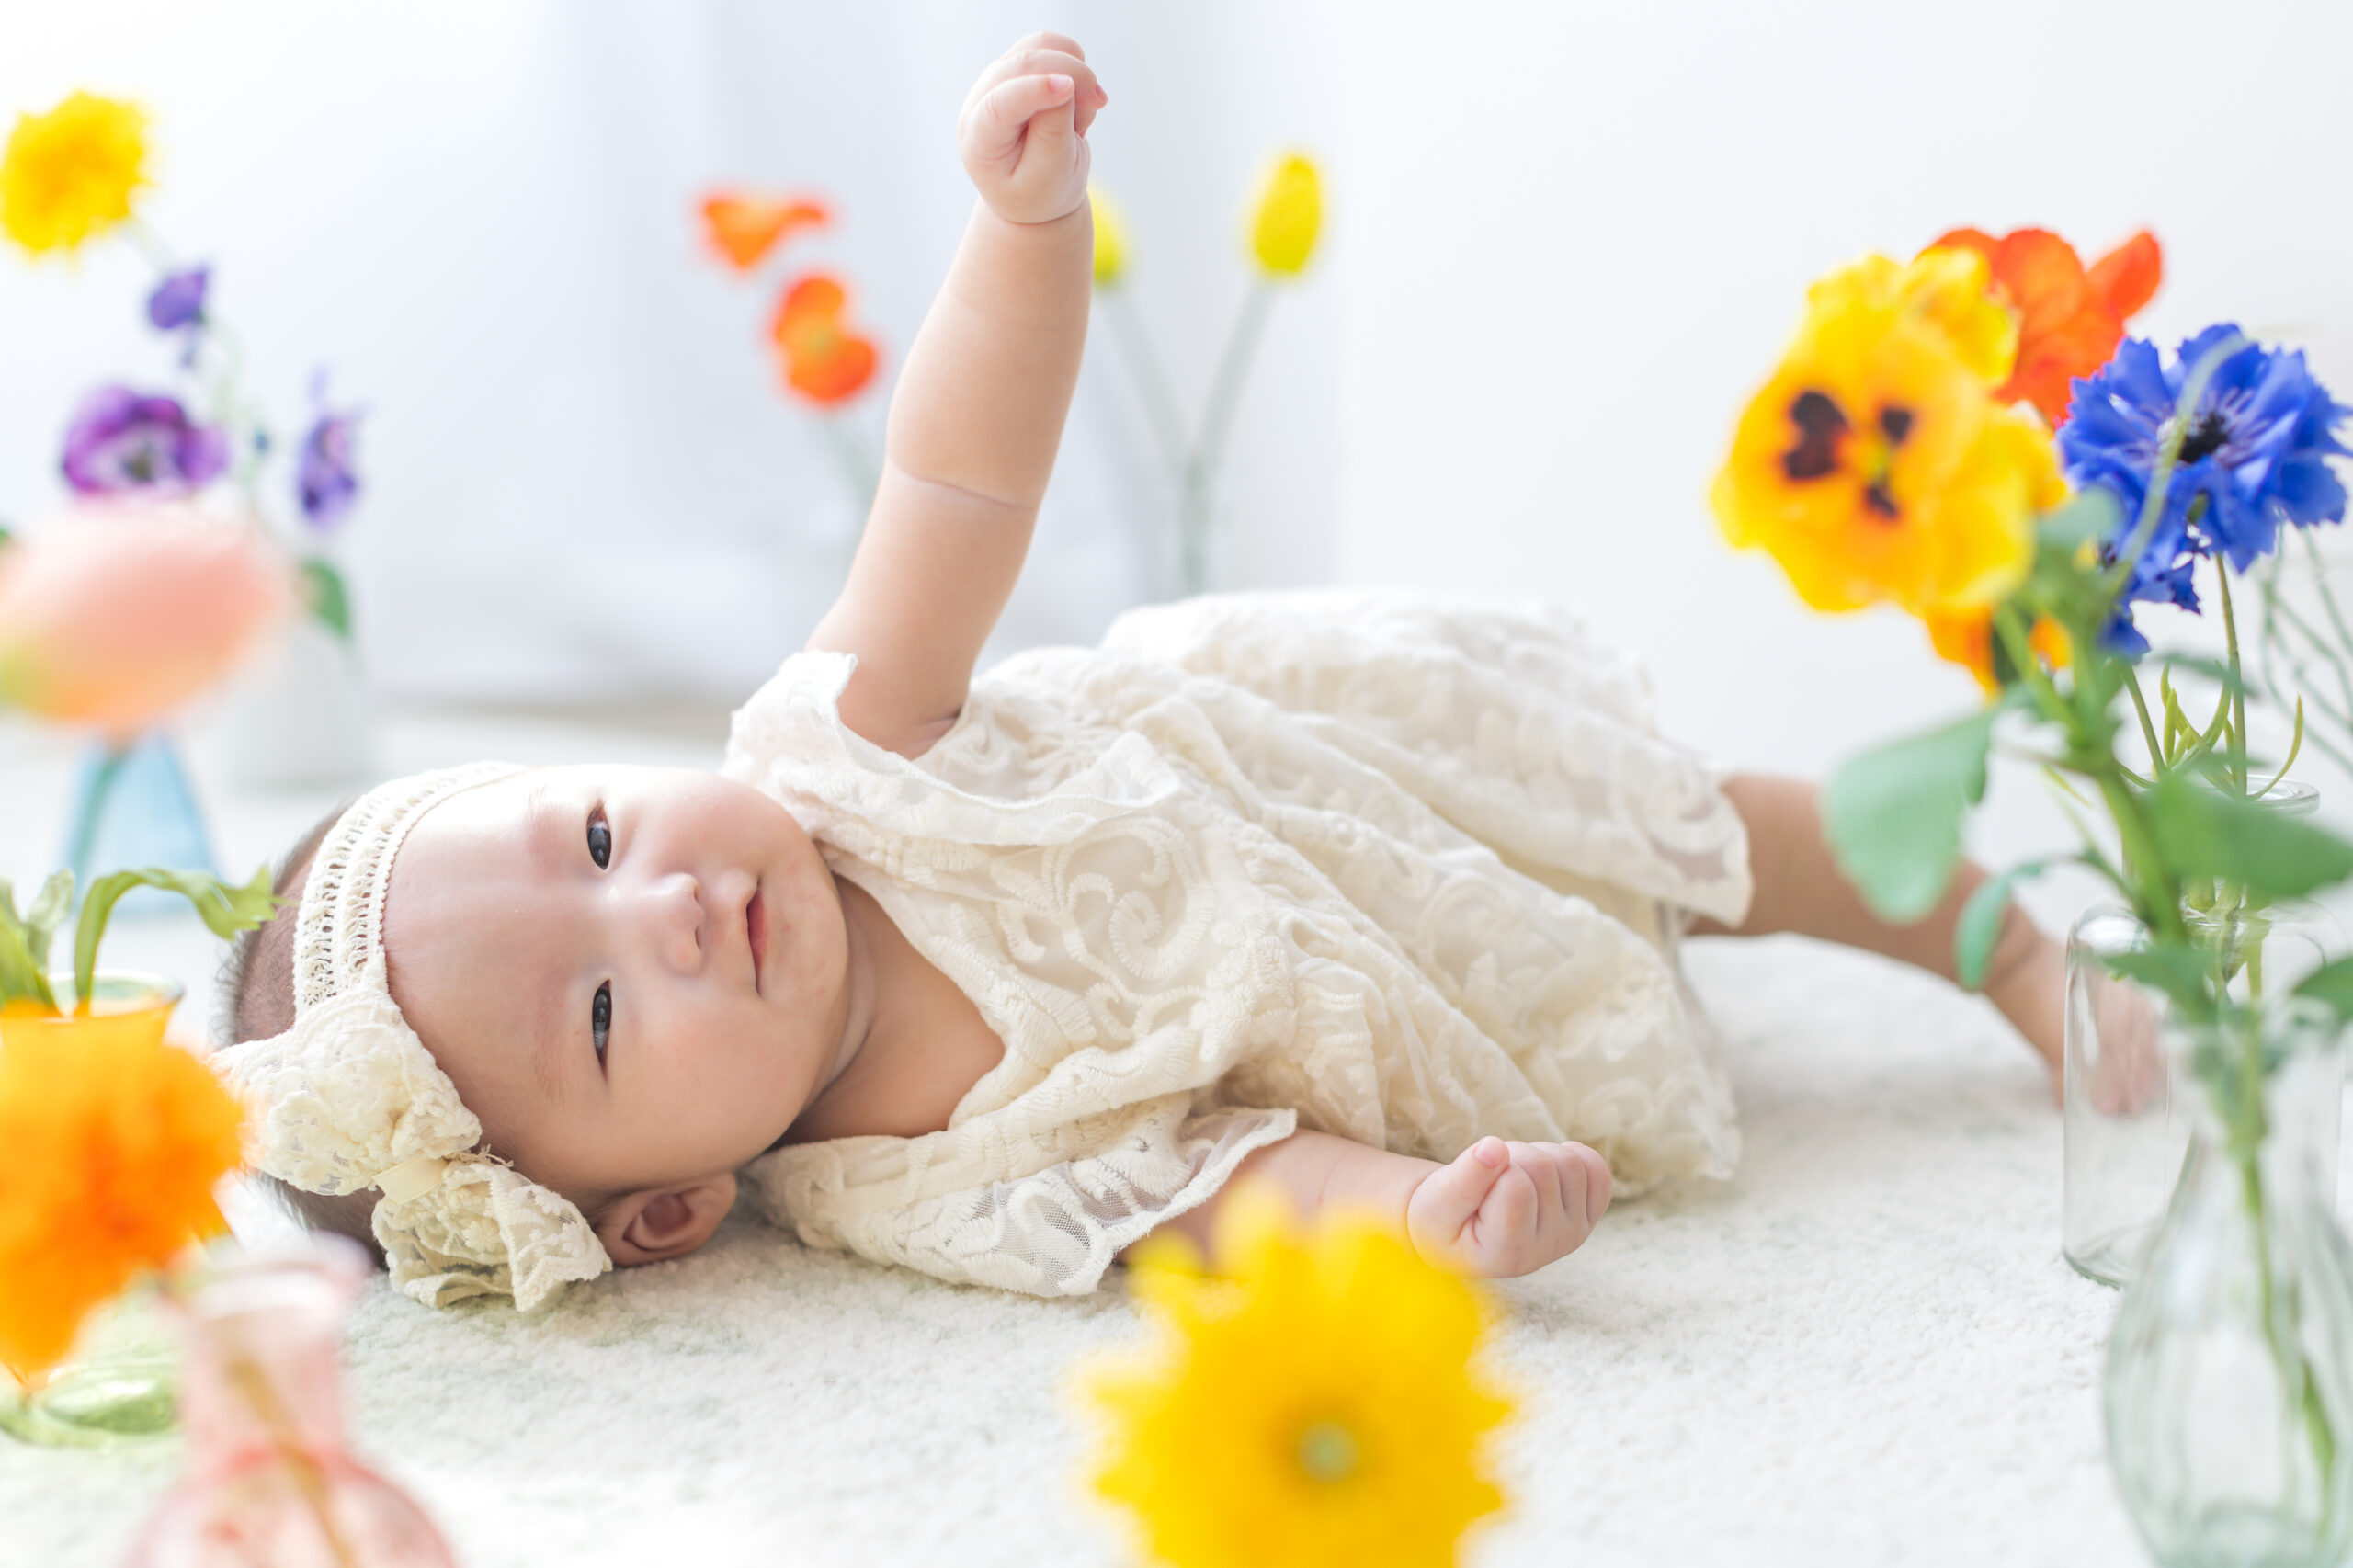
{"type": "Point", "coordinates": [1288, 215]}
{"type": "Point", "coordinates": [1875, 465]}
{"type": "Point", "coordinates": [68, 175]}
{"type": "Point", "coordinates": [1945, 290]}
{"type": "Point", "coordinates": [1318, 1407]}
{"type": "Point", "coordinates": [115, 1141]}
{"type": "Point", "coordinates": [1110, 238]}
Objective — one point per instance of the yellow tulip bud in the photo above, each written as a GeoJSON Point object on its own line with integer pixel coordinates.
{"type": "Point", "coordinates": [1291, 210]}
{"type": "Point", "coordinates": [1110, 239]}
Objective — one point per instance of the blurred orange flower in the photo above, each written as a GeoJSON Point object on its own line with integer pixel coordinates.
{"type": "Point", "coordinates": [2069, 318]}
{"type": "Point", "coordinates": [115, 1141]}
{"type": "Point", "coordinates": [1965, 637]}
{"type": "Point", "coordinates": [741, 229]}
{"type": "Point", "coordinates": [823, 360]}
{"type": "Point", "coordinates": [120, 612]}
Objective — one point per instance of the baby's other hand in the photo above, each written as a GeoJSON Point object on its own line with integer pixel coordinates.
{"type": "Point", "coordinates": [1506, 1208]}
{"type": "Point", "coordinates": [1023, 132]}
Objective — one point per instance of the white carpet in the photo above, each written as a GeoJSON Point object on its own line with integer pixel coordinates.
{"type": "Point", "coordinates": [1865, 1350]}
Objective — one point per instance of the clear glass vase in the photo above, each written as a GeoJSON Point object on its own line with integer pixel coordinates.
{"type": "Point", "coordinates": [2127, 1129]}
{"type": "Point", "coordinates": [268, 1480]}
{"type": "Point", "coordinates": [2229, 1387]}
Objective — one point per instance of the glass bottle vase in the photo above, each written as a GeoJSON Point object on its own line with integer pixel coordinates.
{"type": "Point", "coordinates": [2127, 1129]}
{"type": "Point", "coordinates": [268, 1480]}
{"type": "Point", "coordinates": [2229, 1387]}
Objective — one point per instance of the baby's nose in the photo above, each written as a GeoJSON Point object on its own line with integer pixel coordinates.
{"type": "Point", "coordinates": [674, 907]}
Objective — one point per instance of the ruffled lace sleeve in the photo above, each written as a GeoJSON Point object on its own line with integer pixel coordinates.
{"type": "Point", "coordinates": [1051, 1233]}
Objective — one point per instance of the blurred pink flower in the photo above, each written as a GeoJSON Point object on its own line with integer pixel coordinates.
{"type": "Point", "coordinates": [119, 612]}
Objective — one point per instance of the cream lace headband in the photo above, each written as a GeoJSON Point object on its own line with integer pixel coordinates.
{"type": "Point", "coordinates": [349, 1098]}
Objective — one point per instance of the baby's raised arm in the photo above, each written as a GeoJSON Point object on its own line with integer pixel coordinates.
{"type": "Point", "coordinates": [980, 404]}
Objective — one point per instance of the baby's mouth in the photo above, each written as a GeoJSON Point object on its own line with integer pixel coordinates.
{"type": "Point", "coordinates": [755, 927]}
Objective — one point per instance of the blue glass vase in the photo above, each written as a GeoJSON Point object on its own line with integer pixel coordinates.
{"type": "Point", "coordinates": [134, 807]}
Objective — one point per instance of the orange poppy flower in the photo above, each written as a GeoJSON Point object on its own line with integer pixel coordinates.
{"type": "Point", "coordinates": [1964, 636]}
{"type": "Point", "coordinates": [2069, 318]}
{"type": "Point", "coordinates": [741, 229]}
{"type": "Point", "coordinates": [823, 360]}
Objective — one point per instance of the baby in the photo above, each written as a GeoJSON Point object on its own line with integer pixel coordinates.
{"type": "Point", "coordinates": [1373, 899]}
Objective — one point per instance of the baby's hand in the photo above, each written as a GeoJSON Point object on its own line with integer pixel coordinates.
{"type": "Point", "coordinates": [1023, 132]}
{"type": "Point", "coordinates": [1505, 1209]}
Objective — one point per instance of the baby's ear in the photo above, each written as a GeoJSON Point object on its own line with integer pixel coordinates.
{"type": "Point", "coordinates": [667, 1222]}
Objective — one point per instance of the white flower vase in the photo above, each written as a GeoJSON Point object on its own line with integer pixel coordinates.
{"type": "Point", "coordinates": [300, 716]}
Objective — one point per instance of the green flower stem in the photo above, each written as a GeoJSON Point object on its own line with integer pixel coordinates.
{"type": "Point", "coordinates": [2237, 732]}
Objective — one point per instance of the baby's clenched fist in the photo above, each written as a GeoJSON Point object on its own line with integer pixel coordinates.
{"type": "Point", "coordinates": [1023, 132]}
{"type": "Point", "coordinates": [1506, 1209]}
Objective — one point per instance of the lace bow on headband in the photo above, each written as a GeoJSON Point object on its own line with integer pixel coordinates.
{"type": "Point", "coordinates": [349, 1098]}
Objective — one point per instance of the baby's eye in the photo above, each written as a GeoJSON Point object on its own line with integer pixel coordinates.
{"type": "Point", "coordinates": [600, 1020]}
{"type": "Point", "coordinates": [600, 839]}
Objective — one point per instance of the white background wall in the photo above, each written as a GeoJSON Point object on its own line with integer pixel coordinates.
{"type": "Point", "coordinates": [1565, 242]}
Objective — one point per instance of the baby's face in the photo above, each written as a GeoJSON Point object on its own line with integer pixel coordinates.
{"type": "Point", "coordinates": [635, 976]}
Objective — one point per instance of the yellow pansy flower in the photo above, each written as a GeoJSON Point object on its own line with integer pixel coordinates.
{"type": "Point", "coordinates": [1110, 238]}
{"type": "Point", "coordinates": [1288, 215]}
{"type": "Point", "coordinates": [68, 175]}
{"type": "Point", "coordinates": [1945, 290]}
{"type": "Point", "coordinates": [1965, 637]}
{"type": "Point", "coordinates": [1875, 465]}
{"type": "Point", "coordinates": [1317, 1407]}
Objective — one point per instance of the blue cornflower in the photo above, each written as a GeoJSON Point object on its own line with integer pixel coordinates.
{"type": "Point", "coordinates": [2253, 455]}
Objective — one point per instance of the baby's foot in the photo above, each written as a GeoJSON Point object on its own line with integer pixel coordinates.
{"type": "Point", "coordinates": [1506, 1208]}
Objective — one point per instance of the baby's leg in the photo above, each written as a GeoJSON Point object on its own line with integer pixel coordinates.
{"type": "Point", "coordinates": [1800, 889]}
{"type": "Point", "coordinates": [1498, 1210]}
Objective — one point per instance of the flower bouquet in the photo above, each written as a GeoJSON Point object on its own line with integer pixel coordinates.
{"type": "Point", "coordinates": [204, 445]}
{"type": "Point", "coordinates": [821, 358]}
{"type": "Point", "coordinates": [1890, 459]}
{"type": "Point", "coordinates": [1285, 222]}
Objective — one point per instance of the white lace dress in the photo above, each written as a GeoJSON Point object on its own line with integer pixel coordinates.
{"type": "Point", "coordinates": [1405, 872]}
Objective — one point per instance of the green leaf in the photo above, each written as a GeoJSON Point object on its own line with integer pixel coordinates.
{"type": "Point", "coordinates": [1892, 815]}
{"type": "Point", "coordinates": [22, 970]}
{"type": "Point", "coordinates": [2090, 513]}
{"type": "Point", "coordinates": [330, 600]}
{"type": "Point", "coordinates": [225, 907]}
{"type": "Point", "coordinates": [2331, 984]}
{"type": "Point", "coordinates": [2202, 832]}
{"type": "Point", "coordinates": [51, 906]}
{"type": "Point", "coordinates": [2178, 971]}
{"type": "Point", "coordinates": [1980, 923]}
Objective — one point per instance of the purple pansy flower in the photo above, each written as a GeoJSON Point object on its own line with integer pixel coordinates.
{"type": "Point", "coordinates": [121, 440]}
{"type": "Point", "coordinates": [178, 301]}
{"type": "Point", "coordinates": [325, 484]}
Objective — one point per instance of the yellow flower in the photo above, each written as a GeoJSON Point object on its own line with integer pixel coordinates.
{"type": "Point", "coordinates": [68, 175]}
{"type": "Point", "coordinates": [1110, 238]}
{"type": "Point", "coordinates": [1316, 1408]}
{"type": "Point", "coordinates": [1875, 465]}
{"type": "Point", "coordinates": [1944, 290]}
{"type": "Point", "coordinates": [1289, 213]}
{"type": "Point", "coordinates": [115, 1141]}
